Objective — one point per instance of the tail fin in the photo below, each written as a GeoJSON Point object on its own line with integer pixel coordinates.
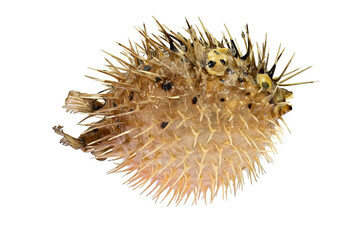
{"type": "Point", "coordinates": [67, 140]}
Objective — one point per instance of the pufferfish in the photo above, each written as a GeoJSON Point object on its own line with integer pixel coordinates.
{"type": "Point", "coordinates": [185, 116]}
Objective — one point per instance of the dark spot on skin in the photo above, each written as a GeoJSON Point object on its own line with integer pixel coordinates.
{"type": "Point", "coordinates": [271, 101]}
{"type": "Point", "coordinates": [265, 85]}
{"type": "Point", "coordinates": [222, 99]}
{"type": "Point", "coordinates": [222, 61]}
{"type": "Point", "coordinates": [216, 52]}
{"type": "Point", "coordinates": [164, 124]}
{"type": "Point", "coordinates": [157, 79]}
{"type": "Point", "coordinates": [249, 105]}
{"type": "Point", "coordinates": [247, 94]}
{"type": "Point", "coordinates": [131, 95]}
{"type": "Point", "coordinates": [240, 80]}
{"type": "Point", "coordinates": [131, 110]}
{"type": "Point", "coordinates": [147, 67]}
{"type": "Point", "coordinates": [97, 107]}
{"type": "Point", "coordinates": [114, 104]}
{"type": "Point", "coordinates": [167, 86]}
{"type": "Point", "coordinates": [211, 64]}
{"type": "Point", "coordinates": [229, 71]}
{"type": "Point", "coordinates": [96, 130]}
{"type": "Point", "coordinates": [192, 44]}
{"type": "Point", "coordinates": [222, 80]}
{"type": "Point", "coordinates": [194, 100]}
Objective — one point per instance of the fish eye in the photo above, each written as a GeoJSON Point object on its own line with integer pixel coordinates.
{"type": "Point", "coordinates": [264, 81]}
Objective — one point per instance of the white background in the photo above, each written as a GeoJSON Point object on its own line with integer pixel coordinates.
{"type": "Point", "coordinates": [49, 191]}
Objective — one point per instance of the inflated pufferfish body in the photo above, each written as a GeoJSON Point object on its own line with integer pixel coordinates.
{"type": "Point", "coordinates": [186, 117]}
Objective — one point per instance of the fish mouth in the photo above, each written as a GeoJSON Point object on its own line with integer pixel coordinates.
{"type": "Point", "coordinates": [280, 100]}
{"type": "Point", "coordinates": [281, 95]}
{"type": "Point", "coordinates": [285, 109]}
{"type": "Point", "coordinates": [288, 94]}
